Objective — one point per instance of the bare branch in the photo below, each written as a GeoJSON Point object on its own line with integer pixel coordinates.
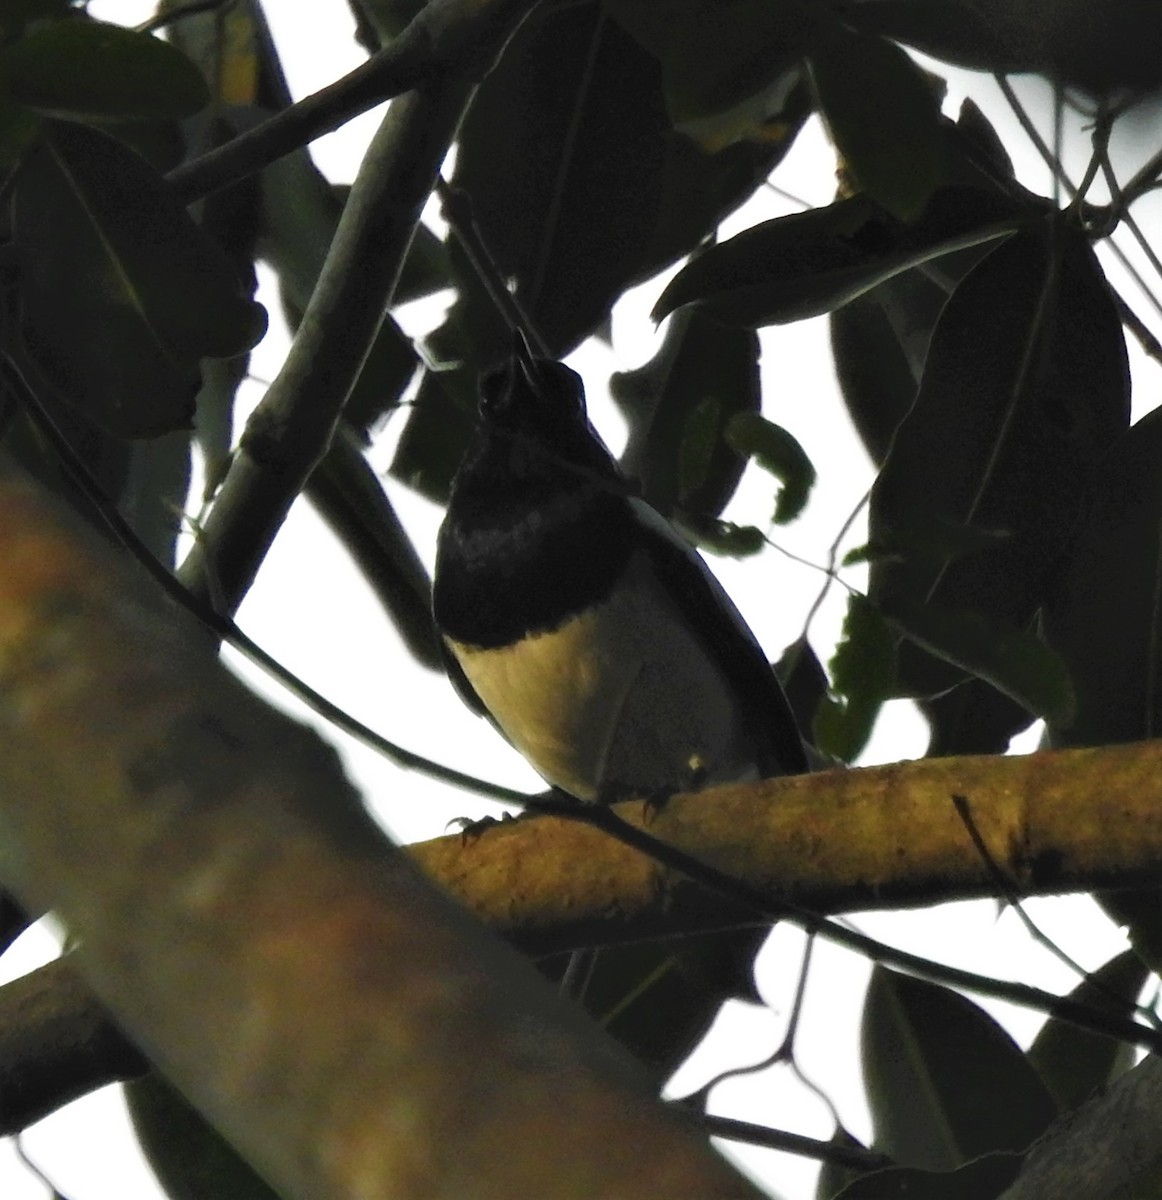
{"type": "Point", "coordinates": [56, 1043]}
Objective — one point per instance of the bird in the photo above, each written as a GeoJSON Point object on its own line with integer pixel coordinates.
{"type": "Point", "coordinates": [578, 620]}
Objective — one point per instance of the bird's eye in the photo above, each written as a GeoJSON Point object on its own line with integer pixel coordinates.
{"type": "Point", "coordinates": [494, 385]}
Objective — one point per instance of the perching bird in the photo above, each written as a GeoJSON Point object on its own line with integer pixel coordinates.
{"type": "Point", "coordinates": [594, 637]}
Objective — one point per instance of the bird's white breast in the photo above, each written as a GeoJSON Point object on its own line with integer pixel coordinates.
{"type": "Point", "coordinates": [623, 698]}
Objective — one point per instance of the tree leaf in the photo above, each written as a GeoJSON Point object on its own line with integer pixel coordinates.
{"type": "Point", "coordinates": [724, 537]}
{"type": "Point", "coordinates": [16, 14]}
{"type": "Point", "coordinates": [809, 263]}
{"type": "Point", "coordinates": [1016, 662]}
{"type": "Point", "coordinates": [84, 69]}
{"type": "Point", "coordinates": [122, 293]}
{"type": "Point", "coordinates": [1075, 1062]}
{"type": "Point", "coordinates": [677, 406]}
{"type": "Point", "coordinates": [728, 66]}
{"type": "Point", "coordinates": [972, 718]}
{"type": "Point", "coordinates": [863, 676]}
{"type": "Point", "coordinates": [1104, 614]}
{"type": "Point", "coordinates": [778, 453]}
{"type": "Point", "coordinates": [441, 420]}
{"type": "Point", "coordinates": [882, 115]}
{"type": "Point", "coordinates": [946, 1083]}
{"type": "Point", "coordinates": [658, 999]}
{"type": "Point", "coordinates": [1025, 387]}
{"type": "Point", "coordinates": [872, 367]}
{"type": "Point", "coordinates": [349, 496]}
{"type": "Point", "coordinates": [804, 680]}
{"type": "Point", "coordinates": [579, 186]}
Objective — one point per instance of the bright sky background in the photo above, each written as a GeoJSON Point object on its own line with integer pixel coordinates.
{"type": "Point", "coordinates": [312, 611]}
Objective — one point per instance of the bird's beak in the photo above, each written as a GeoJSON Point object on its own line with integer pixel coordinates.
{"type": "Point", "coordinates": [526, 362]}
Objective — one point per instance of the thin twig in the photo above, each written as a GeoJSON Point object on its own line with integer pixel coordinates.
{"type": "Point", "coordinates": [457, 207]}
{"type": "Point", "coordinates": [854, 1158]}
{"type": "Point", "coordinates": [1008, 893]}
{"type": "Point", "coordinates": [1031, 131]}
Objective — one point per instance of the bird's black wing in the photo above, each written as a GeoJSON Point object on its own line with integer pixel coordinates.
{"type": "Point", "coordinates": [710, 612]}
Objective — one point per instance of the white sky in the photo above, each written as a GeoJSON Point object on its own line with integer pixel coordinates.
{"type": "Point", "coordinates": [336, 639]}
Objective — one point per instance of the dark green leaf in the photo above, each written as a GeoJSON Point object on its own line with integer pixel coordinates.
{"type": "Point", "coordinates": [658, 999]}
{"type": "Point", "coordinates": [17, 13]}
{"type": "Point", "coordinates": [350, 498]}
{"type": "Point", "coordinates": [677, 406]}
{"type": "Point", "coordinates": [1103, 46]}
{"type": "Point", "coordinates": [724, 537]}
{"type": "Point", "coordinates": [386, 372]}
{"type": "Point", "coordinates": [883, 117]}
{"type": "Point", "coordinates": [985, 1179]}
{"type": "Point", "coordinates": [778, 453]}
{"type": "Point", "coordinates": [945, 1082]}
{"type": "Point", "coordinates": [872, 367]}
{"type": "Point", "coordinates": [122, 293]}
{"type": "Point", "coordinates": [863, 675]}
{"type": "Point", "coordinates": [579, 186]}
{"type": "Point", "coordinates": [804, 680]}
{"type": "Point", "coordinates": [1105, 613]}
{"type": "Point", "coordinates": [1025, 387]}
{"type": "Point", "coordinates": [973, 718]}
{"type": "Point", "coordinates": [809, 263]}
{"type": "Point", "coordinates": [700, 437]}
{"type": "Point", "coordinates": [1073, 1062]}
{"type": "Point", "coordinates": [191, 1159]}
{"type": "Point", "coordinates": [1015, 661]}
{"type": "Point", "coordinates": [439, 424]}
{"type": "Point", "coordinates": [727, 65]}
{"type": "Point", "coordinates": [880, 340]}
{"type": "Point", "coordinates": [89, 69]}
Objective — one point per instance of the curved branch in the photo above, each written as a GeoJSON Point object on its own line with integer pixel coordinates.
{"type": "Point", "coordinates": [56, 1043]}
{"type": "Point", "coordinates": [289, 432]}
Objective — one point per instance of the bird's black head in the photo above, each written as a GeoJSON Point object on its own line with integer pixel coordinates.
{"type": "Point", "coordinates": [534, 433]}
{"type": "Point", "coordinates": [539, 521]}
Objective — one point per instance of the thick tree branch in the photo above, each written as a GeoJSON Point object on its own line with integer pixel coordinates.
{"type": "Point", "coordinates": [1108, 1149]}
{"type": "Point", "coordinates": [446, 37]}
{"type": "Point", "coordinates": [343, 1022]}
{"type": "Point", "coordinates": [290, 431]}
{"type": "Point", "coordinates": [838, 841]}
{"type": "Point", "coordinates": [56, 1043]}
